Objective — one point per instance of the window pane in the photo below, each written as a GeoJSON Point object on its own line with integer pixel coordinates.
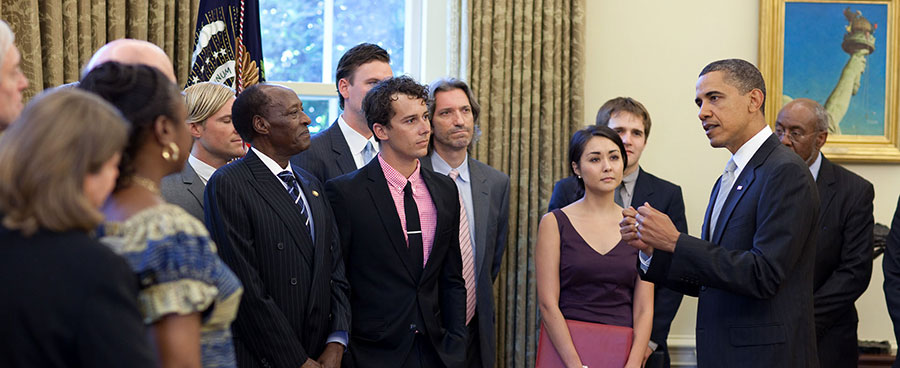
{"type": "Point", "coordinates": [292, 36]}
{"type": "Point", "coordinates": [322, 111]}
{"type": "Point", "coordinates": [378, 22]}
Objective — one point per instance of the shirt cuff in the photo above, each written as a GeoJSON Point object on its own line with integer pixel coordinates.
{"type": "Point", "coordinates": [652, 345]}
{"type": "Point", "coordinates": [645, 261]}
{"type": "Point", "coordinates": [339, 337]}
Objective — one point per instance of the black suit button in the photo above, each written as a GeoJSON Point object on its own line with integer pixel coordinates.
{"type": "Point", "coordinates": [293, 281]}
{"type": "Point", "coordinates": [280, 246]}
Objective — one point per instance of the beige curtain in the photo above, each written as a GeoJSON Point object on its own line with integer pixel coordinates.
{"type": "Point", "coordinates": [57, 37]}
{"type": "Point", "coordinates": [526, 66]}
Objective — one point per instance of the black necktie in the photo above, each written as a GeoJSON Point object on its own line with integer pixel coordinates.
{"type": "Point", "coordinates": [294, 190]}
{"type": "Point", "coordinates": [413, 229]}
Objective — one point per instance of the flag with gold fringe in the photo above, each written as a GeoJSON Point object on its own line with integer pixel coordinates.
{"type": "Point", "coordinates": [227, 44]}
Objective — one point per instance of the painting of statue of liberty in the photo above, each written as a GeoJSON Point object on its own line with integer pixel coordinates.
{"type": "Point", "coordinates": [836, 54]}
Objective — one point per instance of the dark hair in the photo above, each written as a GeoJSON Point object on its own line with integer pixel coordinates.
{"type": "Point", "coordinates": [249, 103]}
{"type": "Point", "coordinates": [377, 103]}
{"type": "Point", "coordinates": [740, 74]}
{"type": "Point", "coordinates": [581, 138]}
{"type": "Point", "coordinates": [624, 104]}
{"type": "Point", "coordinates": [142, 94]}
{"type": "Point", "coordinates": [353, 58]}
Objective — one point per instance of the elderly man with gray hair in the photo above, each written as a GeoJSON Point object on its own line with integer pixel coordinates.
{"type": "Point", "coordinates": [844, 241]}
{"type": "Point", "coordinates": [12, 80]}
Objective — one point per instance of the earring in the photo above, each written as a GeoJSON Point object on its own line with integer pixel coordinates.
{"type": "Point", "coordinates": [579, 176]}
{"type": "Point", "coordinates": [173, 155]}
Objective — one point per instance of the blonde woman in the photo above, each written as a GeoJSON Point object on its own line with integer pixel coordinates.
{"type": "Point", "coordinates": [188, 296]}
{"type": "Point", "coordinates": [215, 144]}
{"type": "Point", "coordinates": [66, 299]}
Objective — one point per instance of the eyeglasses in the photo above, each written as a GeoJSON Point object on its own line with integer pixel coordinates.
{"type": "Point", "coordinates": [793, 135]}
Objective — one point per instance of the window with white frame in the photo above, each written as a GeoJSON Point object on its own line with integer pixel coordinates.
{"type": "Point", "coordinates": [304, 40]}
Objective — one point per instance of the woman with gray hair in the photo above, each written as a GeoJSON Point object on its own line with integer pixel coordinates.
{"type": "Point", "coordinates": [12, 80]}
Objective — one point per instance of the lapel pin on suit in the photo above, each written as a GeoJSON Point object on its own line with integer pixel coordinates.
{"type": "Point", "coordinates": [315, 193]}
{"type": "Point", "coordinates": [738, 188]}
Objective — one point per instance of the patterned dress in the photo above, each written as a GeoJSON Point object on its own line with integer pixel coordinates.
{"type": "Point", "coordinates": [179, 272]}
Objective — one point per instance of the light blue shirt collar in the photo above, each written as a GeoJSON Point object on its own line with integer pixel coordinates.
{"type": "Point", "coordinates": [441, 166]}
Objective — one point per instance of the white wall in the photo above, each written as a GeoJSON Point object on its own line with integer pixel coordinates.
{"type": "Point", "coordinates": [653, 51]}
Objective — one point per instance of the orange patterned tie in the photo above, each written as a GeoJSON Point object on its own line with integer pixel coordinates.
{"type": "Point", "coordinates": [465, 249]}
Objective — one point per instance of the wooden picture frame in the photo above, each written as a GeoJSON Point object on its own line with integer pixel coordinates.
{"type": "Point", "coordinates": [844, 55]}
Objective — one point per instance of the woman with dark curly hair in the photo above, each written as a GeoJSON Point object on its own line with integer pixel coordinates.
{"type": "Point", "coordinates": [188, 296]}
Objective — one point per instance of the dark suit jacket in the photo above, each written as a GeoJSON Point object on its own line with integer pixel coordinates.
{"type": "Point", "coordinates": [68, 301]}
{"type": "Point", "coordinates": [184, 189]}
{"type": "Point", "coordinates": [295, 291]}
{"type": "Point", "coordinates": [490, 202]}
{"type": "Point", "coordinates": [844, 246]}
{"type": "Point", "coordinates": [663, 196]}
{"type": "Point", "coordinates": [754, 277]}
{"type": "Point", "coordinates": [389, 305]}
{"type": "Point", "coordinates": [328, 155]}
{"type": "Point", "coordinates": [891, 267]}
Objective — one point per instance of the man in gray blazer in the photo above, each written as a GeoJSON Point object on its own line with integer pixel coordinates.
{"type": "Point", "coordinates": [484, 193]}
{"type": "Point", "coordinates": [348, 144]}
{"type": "Point", "coordinates": [216, 143]}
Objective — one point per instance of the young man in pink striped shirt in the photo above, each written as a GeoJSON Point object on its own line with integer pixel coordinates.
{"type": "Point", "coordinates": [399, 228]}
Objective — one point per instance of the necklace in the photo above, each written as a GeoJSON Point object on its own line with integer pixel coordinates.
{"type": "Point", "coordinates": [146, 183]}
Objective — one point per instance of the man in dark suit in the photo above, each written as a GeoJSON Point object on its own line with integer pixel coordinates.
{"type": "Point", "coordinates": [891, 267]}
{"type": "Point", "coordinates": [216, 142]}
{"type": "Point", "coordinates": [844, 240]}
{"type": "Point", "coordinates": [484, 192]}
{"type": "Point", "coordinates": [631, 120]}
{"type": "Point", "coordinates": [399, 229]}
{"type": "Point", "coordinates": [276, 231]}
{"type": "Point", "coordinates": [753, 267]}
{"type": "Point", "coordinates": [348, 143]}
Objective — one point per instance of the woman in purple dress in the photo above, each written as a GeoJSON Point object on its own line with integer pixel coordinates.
{"type": "Point", "coordinates": [584, 270]}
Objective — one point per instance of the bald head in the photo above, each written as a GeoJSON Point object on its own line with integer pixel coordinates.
{"type": "Point", "coordinates": [131, 51]}
{"type": "Point", "coordinates": [802, 125]}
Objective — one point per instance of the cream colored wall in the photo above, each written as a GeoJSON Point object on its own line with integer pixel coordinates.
{"type": "Point", "coordinates": [653, 51]}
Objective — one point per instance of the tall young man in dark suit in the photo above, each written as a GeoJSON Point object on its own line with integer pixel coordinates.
{"type": "Point", "coordinates": [484, 218]}
{"type": "Point", "coordinates": [399, 229]}
{"type": "Point", "coordinates": [276, 231]}
{"type": "Point", "coordinates": [844, 240]}
{"type": "Point", "coordinates": [753, 267]}
{"type": "Point", "coordinates": [348, 143]}
{"type": "Point", "coordinates": [631, 120]}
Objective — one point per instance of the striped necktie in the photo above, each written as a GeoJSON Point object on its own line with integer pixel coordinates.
{"type": "Point", "coordinates": [468, 257]}
{"type": "Point", "coordinates": [294, 190]}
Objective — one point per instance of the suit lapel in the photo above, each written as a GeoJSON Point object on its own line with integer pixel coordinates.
{"type": "Point", "coordinates": [429, 177]}
{"type": "Point", "coordinates": [273, 193]}
{"type": "Point", "coordinates": [387, 212]}
{"type": "Point", "coordinates": [643, 191]}
{"type": "Point", "coordinates": [704, 234]}
{"type": "Point", "coordinates": [741, 185]}
{"type": "Point", "coordinates": [317, 211]}
{"type": "Point", "coordinates": [825, 183]}
{"type": "Point", "coordinates": [339, 145]}
{"type": "Point", "coordinates": [194, 185]}
{"type": "Point", "coordinates": [480, 203]}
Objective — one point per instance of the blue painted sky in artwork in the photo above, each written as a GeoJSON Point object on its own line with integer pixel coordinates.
{"type": "Point", "coordinates": [813, 60]}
